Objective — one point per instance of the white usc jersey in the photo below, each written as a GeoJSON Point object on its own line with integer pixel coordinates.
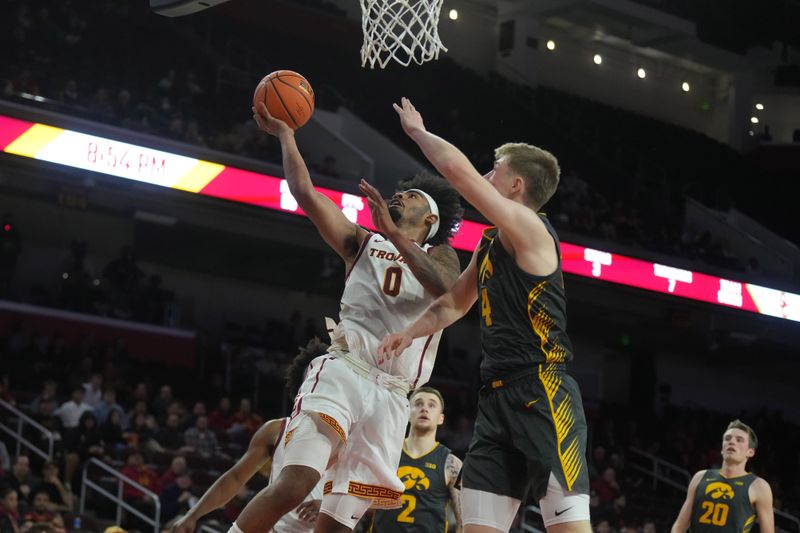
{"type": "Point", "coordinates": [290, 522]}
{"type": "Point", "coordinates": [382, 296]}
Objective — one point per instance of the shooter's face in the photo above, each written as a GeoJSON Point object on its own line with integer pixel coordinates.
{"type": "Point", "coordinates": [408, 206]}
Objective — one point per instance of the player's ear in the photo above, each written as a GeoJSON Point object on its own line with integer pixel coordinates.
{"type": "Point", "coordinates": [750, 452]}
{"type": "Point", "coordinates": [441, 420]}
{"type": "Point", "coordinates": [519, 184]}
{"type": "Point", "coordinates": [431, 219]}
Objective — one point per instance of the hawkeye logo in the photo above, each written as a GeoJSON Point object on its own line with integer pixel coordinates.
{"type": "Point", "coordinates": [719, 490]}
{"type": "Point", "coordinates": [413, 478]}
{"type": "Point", "coordinates": [486, 270]}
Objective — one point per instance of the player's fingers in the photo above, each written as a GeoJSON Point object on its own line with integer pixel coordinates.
{"type": "Point", "coordinates": [263, 111]}
{"type": "Point", "coordinates": [397, 108]}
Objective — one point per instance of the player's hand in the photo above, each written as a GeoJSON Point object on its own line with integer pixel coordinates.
{"type": "Point", "coordinates": [378, 209]}
{"type": "Point", "coordinates": [394, 344]}
{"type": "Point", "coordinates": [186, 524]}
{"type": "Point", "coordinates": [308, 511]}
{"type": "Point", "coordinates": [410, 119]}
{"type": "Point", "coordinates": [268, 123]}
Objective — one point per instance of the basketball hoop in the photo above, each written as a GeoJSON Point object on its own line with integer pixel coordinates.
{"type": "Point", "coordinates": [403, 30]}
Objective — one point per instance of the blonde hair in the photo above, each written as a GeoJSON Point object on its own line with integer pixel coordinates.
{"type": "Point", "coordinates": [539, 168]}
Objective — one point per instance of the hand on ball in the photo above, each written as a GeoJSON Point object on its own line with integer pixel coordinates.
{"type": "Point", "coordinates": [268, 123]}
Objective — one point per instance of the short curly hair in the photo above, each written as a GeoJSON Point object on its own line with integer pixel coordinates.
{"type": "Point", "coordinates": [297, 370]}
{"type": "Point", "coordinates": [447, 199]}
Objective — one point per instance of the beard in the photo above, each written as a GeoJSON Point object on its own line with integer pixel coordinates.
{"type": "Point", "coordinates": [395, 214]}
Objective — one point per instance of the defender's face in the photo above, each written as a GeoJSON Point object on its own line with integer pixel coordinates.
{"type": "Point", "coordinates": [501, 177]}
{"type": "Point", "coordinates": [407, 205]}
{"type": "Point", "coordinates": [426, 411]}
{"type": "Point", "coordinates": [736, 446]}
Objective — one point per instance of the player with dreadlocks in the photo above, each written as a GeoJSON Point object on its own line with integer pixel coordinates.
{"type": "Point", "coordinates": [350, 416]}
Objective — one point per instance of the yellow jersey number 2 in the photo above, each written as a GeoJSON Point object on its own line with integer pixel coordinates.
{"type": "Point", "coordinates": [409, 504]}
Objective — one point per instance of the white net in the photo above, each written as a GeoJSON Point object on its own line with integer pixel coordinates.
{"type": "Point", "coordinates": [403, 30]}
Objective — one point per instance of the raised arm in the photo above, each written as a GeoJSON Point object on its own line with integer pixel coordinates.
{"type": "Point", "coordinates": [340, 234]}
{"type": "Point", "coordinates": [452, 468]}
{"type": "Point", "coordinates": [522, 230]}
{"type": "Point", "coordinates": [684, 519]}
{"type": "Point", "coordinates": [437, 271]}
{"type": "Point", "coordinates": [445, 310]}
{"type": "Point", "coordinates": [761, 496]}
{"type": "Point", "coordinates": [231, 482]}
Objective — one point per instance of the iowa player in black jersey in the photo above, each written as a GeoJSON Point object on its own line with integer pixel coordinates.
{"type": "Point", "coordinates": [429, 472]}
{"type": "Point", "coordinates": [530, 432]}
{"type": "Point", "coordinates": [728, 500]}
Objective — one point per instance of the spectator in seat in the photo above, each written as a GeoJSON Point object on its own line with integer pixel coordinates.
{"type": "Point", "coordinates": [177, 498]}
{"type": "Point", "coordinates": [113, 433]}
{"type": "Point", "coordinates": [49, 392]}
{"type": "Point", "coordinates": [9, 510]}
{"type": "Point", "coordinates": [198, 410]}
{"type": "Point", "coordinates": [20, 478]}
{"type": "Point", "coordinates": [200, 439]}
{"type": "Point", "coordinates": [49, 420]}
{"type": "Point", "coordinates": [61, 499]}
{"type": "Point", "coordinates": [138, 471]}
{"type": "Point", "coordinates": [139, 408]}
{"type": "Point", "coordinates": [221, 418]}
{"type": "Point", "coordinates": [70, 412]}
{"type": "Point", "coordinates": [170, 437]}
{"type": "Point", "coordinates": [164, 400]}
{"type": "Point", "coordinates": [245, 421]}
{"type": "Point", "coordinates": [93, 390]}
{"type": "Point", "coordinates": [83, 443]}
{"type": "Point", "coordinates": [141, 432]}
{"type": "Point", "coordinates": [109, 403]}
{"type": "Point", "coordinates": [606, 487]}
{"type": "Point", "coordinates": [41, 513]}
{"type": "Point", "coordinates": [176, 468]}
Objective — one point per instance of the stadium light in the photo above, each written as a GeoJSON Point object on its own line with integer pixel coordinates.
{"type": "Point", "coordinates": [641, 73]}
{"type": "Point", "coordinates": [754, 120]}
{"type": "Point", "coordinates": [453, 14]}
{"type": "Point", "coordinates": [760, 107]}
{"type": "Point", "coordinates": [551, 45]}
{"type": "Point", "coordinates": [598, 59]}
{"type": "Point", "coordinates": [686, 87]}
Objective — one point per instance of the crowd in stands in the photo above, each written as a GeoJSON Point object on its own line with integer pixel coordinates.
{"type": "Point", "coordinates": [120, 290]}
{"type": "Point", "coordinates": [610, 158]}
{"type": "Point", "coordinates": [176, 438]}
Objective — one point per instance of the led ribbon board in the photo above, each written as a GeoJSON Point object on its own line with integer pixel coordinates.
{"type": "Point", "coordinates": [129, 161]}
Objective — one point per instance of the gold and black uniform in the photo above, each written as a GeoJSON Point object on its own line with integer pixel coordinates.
{"type": "Point", "coordinates": [425, 499]}
{"type": "Point", "coordinates": [530, 414]}
{"type": "Point", "coordinates": [722, 505]}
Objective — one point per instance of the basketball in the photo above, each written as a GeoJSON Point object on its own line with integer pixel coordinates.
{"type": "Point", "coordinates": [288, 97]}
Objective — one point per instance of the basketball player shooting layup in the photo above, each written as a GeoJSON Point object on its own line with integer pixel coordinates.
{"type": "Point", "coordinates": [730, 499]}
{"type": "Point", "coordinates": [350, 415]}
{"type": "Point", "coordinates": [530, 430]}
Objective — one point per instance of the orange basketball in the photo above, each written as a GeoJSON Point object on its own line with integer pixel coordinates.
{"type": "Point", "coordinates": [288, 97]}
